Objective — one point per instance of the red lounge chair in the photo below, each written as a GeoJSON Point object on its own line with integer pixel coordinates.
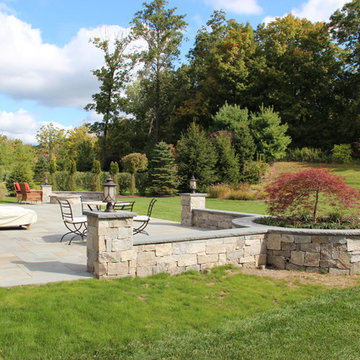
{"type": "Point", "coordinates": [18, 191]}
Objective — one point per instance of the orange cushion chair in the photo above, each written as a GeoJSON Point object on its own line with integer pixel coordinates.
{"type": "Point", "coordinates": [30, 195]}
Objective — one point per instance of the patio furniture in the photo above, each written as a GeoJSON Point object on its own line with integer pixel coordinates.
{"type": "Point", "coordinates": [76, 225]}
{"type": "Point", "coordinates": [29, 195]}
{"type": "Point", "coordinates": [143, 221]}
{"type": "Point", "coordinates": [16, 216]}
{"type": "Point", "coordinates": [18, 191]}
{"type": "Point", "coordinates": [92, 205]}
{"type": "Point", "coordinates": [125, 205]}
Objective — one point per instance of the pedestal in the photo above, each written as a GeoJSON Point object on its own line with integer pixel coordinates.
{"type": "Point", "coordinates": [47, 191]}
{"type": "Point", "coordinates": [189, 202]}
{"type": "Point", "coordinates": [109, 238]}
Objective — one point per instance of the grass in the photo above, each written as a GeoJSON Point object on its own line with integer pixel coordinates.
{"type": "Point", "coordinates": [128, 318]}
{"type": "Point", "coordinates": [324, 327]}
{"type": "Point", "coordinates": [169, 208]}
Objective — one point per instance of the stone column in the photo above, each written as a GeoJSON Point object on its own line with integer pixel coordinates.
{"type": "Point", "coordinates": [188, 203]}
{"type": "Point", "coordinates": [47, 191]}
{"type": "Point", "coordinates": [109, 244]}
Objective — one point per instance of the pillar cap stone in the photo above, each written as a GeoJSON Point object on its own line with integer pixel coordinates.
{"type": "Point", "coordinates": [194, 194]}
{"type": "Point", "coordinates": [110, 215]}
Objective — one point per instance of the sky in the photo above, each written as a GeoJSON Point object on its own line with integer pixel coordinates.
{"type": "Point", "coordinates": [46, 57]}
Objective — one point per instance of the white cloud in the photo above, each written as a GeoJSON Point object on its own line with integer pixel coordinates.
{"type": "Point", "coordinates": [236, 6]}
{"type": "Point", "coordinates": [318, 10]}
{"type": "Point", "coordinates": [48, 74]}
{"type": "Point", "coordinates": [22, 125]}
{"type": "Point", "coordinates": [313, 10]}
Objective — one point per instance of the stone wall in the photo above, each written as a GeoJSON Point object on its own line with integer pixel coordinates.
{"type": "Point", "coordinates": [112, 251]}
{"type": "Point", "coordinates": [213, 219]}
{"type": "Point", "coordinates": [333, 254]}
{"type": "Point", "coordinates": [178, 257]}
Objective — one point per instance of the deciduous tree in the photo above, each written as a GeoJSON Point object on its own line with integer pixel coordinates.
{"type": "Point", "coordinates": [113, 77]}
{"type": "Point", "coordinates": [163, 32]}
{"type": "Point", "coordinates": [310, 192]}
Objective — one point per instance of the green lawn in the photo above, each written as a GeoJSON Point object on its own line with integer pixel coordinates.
{"type": "Point", "coordinates": [188, 316]}
{"type": "Point", "coordinates": [169, 208]}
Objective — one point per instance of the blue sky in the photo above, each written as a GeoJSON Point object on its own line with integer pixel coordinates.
{"type": "Point", "coordinates": [46, 59]}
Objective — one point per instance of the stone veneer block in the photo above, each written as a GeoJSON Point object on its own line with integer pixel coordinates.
{"type": "Point", "coordinates": [297, 257]}
{"type": "Point", "coordinates": [311, 259]}
{"type": "Point", "coordinates": [353, 244]}
{"type": "Point", "coordinates": [274, 241]}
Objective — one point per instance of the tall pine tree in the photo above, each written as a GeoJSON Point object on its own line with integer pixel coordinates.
{"type": "Point", "coordinates": [162, 170]}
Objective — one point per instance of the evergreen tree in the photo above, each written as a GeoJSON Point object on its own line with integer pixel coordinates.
{"type": "Point", "coordinates": [162, 171]}
{"type": "Point", "coordinates": [269, 134]}
{"type": "Point", "coordinates": [114, 171]}
{"type": "Point", "coordinates": [40, 170]}
{"type": "Point", "coordinates": [244, 145]}
{"type": "Point", "coordinates": [85, 156]}
{"type": "Point", "coordinates": [230, 117]}
{"type": "Point", "coordinates": [196, 156]}
{"type": "Point", "coordinates": [236, 120]}
{"type": "Point", "coordinates": [227, 165]}
{"type": "Point", "coordinates": [72, 176]}
{"type": "Point", "coordinates": [96, 171]}
{"type": "Point", "coordinates": [52, 171]}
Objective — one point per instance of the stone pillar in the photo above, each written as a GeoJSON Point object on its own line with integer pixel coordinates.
{"type": "Point", "coordinates": [188, 203]}
{"type": "Point", "coordinates": [47, 191]}
{"type": "Point", "coordinates": [109, 244]}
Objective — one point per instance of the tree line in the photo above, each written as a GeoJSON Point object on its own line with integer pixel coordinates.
{"type": "Point", "coordinates": [239, 96]}
{"type": "Point", "coordinates": [306, 72]}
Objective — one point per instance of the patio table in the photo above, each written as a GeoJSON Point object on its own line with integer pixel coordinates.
{"type": "Point", "coordinates": [98, 205]}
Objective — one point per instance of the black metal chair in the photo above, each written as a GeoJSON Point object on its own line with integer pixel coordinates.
{"type": "Point", "coordinates": [76, 225]}
{"type": "Point", "coordinates": [126, 206]}
{"type": "Point", "coordinates": [143, 220]}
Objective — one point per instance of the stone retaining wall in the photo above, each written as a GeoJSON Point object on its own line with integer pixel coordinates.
{"type": "Point", "coordinates": [178, 257]}
{"type": "Point", "coordinates": [213, 219]}
{"type": "Point", "coordinates": [333, 254]}
{"type": "Point", "coordinates": [112, 252]}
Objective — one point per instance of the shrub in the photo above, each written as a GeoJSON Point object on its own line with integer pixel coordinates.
{"type": "Point", "coordinates": [304, 192]}
{"type": "Point", "coordinates": [341, 153]}
{"type": "Point", "coordinates": [3, 191]}
{"type": "Point", "coordinates": [307, 154]}
{"type": "Point", "coordinates": [241, 191]}
{"type": "Point", "coordinates": [142, 182]}
{"type": "Point", "coordinates": [96, 176]}
{"type": "Point", "coordinates": [124, 181]}
{"type": "Point", "coordinates": [253, 171]}
{"type": "Point", "coordinates": [19, 173]}
{"type": "Point", "coordinates": [72, 183]}
{"type": "Point", "coordinates": [133, 163]}
{"type": "Point", "coordinates": [220, 191]}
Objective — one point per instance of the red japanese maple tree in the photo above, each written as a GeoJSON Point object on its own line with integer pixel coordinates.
{"type": "Point", "coordinates": [303, 192]}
